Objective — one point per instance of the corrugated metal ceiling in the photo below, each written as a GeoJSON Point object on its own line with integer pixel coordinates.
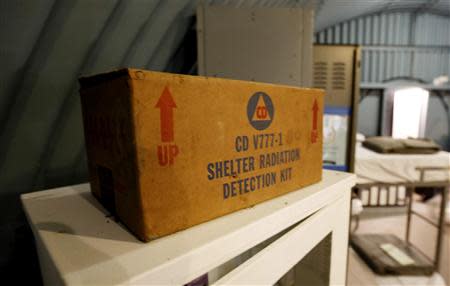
{"type": "Point", "coordinates": [331, 12]}
{"type": "Point", "coordinates": [396, 44]}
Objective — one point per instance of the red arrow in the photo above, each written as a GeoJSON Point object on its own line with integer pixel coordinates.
{"type": "Point", "coordinates": [166, 104]}
{"type": "Point", "coordinates": [315, 110]}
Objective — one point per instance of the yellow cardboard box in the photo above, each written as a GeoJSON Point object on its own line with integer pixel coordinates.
{"type": "Point", "coordinates": [170, 151]}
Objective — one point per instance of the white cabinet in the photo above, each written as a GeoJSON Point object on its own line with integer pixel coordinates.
{"type": "Point", "coordinates": [78, 243]}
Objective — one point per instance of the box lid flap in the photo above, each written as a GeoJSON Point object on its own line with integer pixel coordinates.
{"type": "Point", "coordinates": [92, 80]}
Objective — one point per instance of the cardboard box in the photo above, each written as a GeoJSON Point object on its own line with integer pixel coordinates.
{"type": "Point", "coordinates": [170, 151]}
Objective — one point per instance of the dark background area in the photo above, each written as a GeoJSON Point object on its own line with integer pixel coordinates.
{"type": "Point", "coordinates": [45, 46]}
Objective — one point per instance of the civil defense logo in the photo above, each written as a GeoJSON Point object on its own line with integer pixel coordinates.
{"type": "Point", "coordinates": [260, 110]}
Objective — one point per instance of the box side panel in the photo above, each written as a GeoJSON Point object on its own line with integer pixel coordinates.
{"type": "Point", "coordinates": [207, 147]}
{"type": "Point", "coordinates": [110, 145]}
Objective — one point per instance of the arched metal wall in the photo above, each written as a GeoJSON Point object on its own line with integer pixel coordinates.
{"type": "Point", "coordinates": [45, 46]}
{"type": "Point", "coordinates": [396, 44]}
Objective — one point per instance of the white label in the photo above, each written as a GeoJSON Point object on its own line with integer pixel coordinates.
{"type": "Point", "coordinates": [397, 254]}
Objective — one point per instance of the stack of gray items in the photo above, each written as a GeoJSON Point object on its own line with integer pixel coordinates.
{"type": "Point", "coordinates": [383, 144]}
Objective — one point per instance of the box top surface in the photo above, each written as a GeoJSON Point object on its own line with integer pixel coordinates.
{"type": "Point", "coordinates": [139, 74]}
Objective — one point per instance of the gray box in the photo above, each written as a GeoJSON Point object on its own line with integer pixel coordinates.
{"type": "Point", "coordinates": [271, 45]}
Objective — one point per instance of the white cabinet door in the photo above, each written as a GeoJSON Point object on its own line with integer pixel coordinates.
{"type": "Point", "coordinates": [271, 263]}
